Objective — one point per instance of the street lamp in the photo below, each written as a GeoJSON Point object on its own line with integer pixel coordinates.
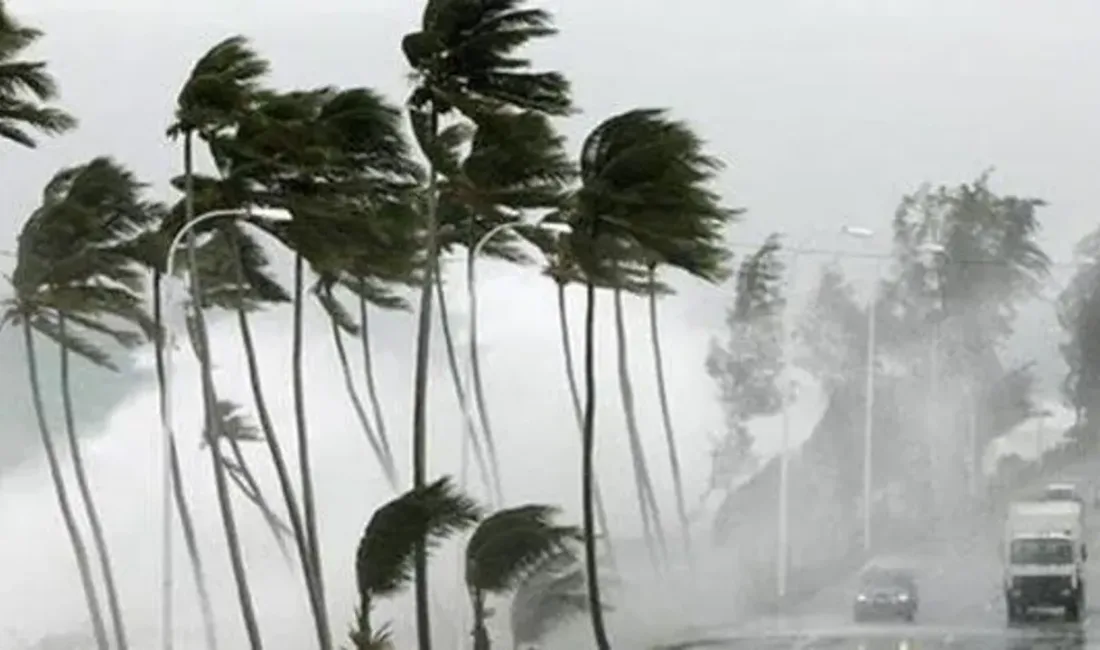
{"type": "Point", "coordinates": [246, 213]}
{"type": "Point", "coordinates": [939, 253]}
{"type": "Point", "coordinates": [869, 397]}
{"type": "Point", "coordinates": [787, 389]}
{"type": "Point", "coordinates": [471, 298]}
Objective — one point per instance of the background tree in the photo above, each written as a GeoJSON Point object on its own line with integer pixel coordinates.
{"type": "Point", "coordinates": [1079, 315]}
{"type": "Point", "coordinates": [747, 365]}
{"type": "Point", "coordinates": [465, 60]}
{"type": "Point", "coordinates": [25, 86]}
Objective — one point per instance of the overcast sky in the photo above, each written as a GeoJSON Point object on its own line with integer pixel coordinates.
{"type": "Point", "coordinates": [825, 111]}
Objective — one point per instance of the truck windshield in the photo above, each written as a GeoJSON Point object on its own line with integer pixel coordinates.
{"type": "Point", "coordinates": [1042, 551]}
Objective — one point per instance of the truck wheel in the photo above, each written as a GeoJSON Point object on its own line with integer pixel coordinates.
{"type": "Point", "coordinates": [1073, 612]}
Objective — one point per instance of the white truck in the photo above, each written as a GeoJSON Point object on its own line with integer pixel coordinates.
{"type": "Point", "coordinates": [1044, 556]}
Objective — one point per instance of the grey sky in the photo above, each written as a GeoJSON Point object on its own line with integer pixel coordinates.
{"type": "Point", "coordinates": [826, 111]}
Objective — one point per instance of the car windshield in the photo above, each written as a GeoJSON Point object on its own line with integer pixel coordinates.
{"type": "Point", "coordinates": [887, 578]}
{"type": "Point", "coordinates": [1042, 551]}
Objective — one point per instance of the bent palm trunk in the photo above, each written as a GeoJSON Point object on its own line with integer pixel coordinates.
{"type": "Point", "coordinates": [90, 510]}
{"type": "Point", "coordinates": [180, 497]}
{"type": "Point", "coordinates": [282, 473]}
{"type": "Point", "coordinates": [488, 476]}
{"type": "Point", "coordinates": [225, 505]}
{"type": "Point", "coordinates": [360, 411]}
{"type": "Point", "coordinates": [666, 417]}
{"type": "Point", "coordinates": [588, 452]}
{"type": "Point", "coordinates": [479, 393]}
{"type": "Point", "coordinates": [574, 394]}
{"type": "Point", "coordinates": [79, 550]}
{"type": "Point", "coordinates": [420, 394]}
{"type": "Point", "coordinates": [647, 502]}
{"type": "Point", "coordinates": [372, 389]}
{"type": "Point", "coordinates": [309, 506]}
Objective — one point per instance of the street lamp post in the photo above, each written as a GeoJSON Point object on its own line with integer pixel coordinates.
{"type": "Point", "coordinates": [869, 394]}
{"type": "Point", "coordinates": [939, 253]}
{"type": "Point", "coordinates": [787, 394]}
{"type": "Point", "coordinates": [471, 298]}
{"type": "Point", "coordinates": [166, 416]}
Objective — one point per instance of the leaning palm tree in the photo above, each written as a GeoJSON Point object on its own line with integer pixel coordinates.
{"type": "Point", "coordinates": [25, 86]}
{"type": "Point", "coordinates": [384, 560]}
{"type": "Point", "coordinates": [464, 58]}
{"type": "Point", "coordinates": [643, 187]}
{"type": "Point", "coordinates": [504, 548]}
{"type": "Point", "coordinates": [549, 594]}
{"type": "Point", "coordinates": [70, 282]}
{"type": "Point", "coordinates": [220, 88]}
{"type": "Point", "coordinates": [706, 257]}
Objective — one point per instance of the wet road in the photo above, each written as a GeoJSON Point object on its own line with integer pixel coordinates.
{"type": "Point", "coordinates": [962, 608]}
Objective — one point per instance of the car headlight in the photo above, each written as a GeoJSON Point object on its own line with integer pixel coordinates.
{"type": "Point", "coordinates": [861, 598]}
{"type": "Point", "coordinates": [903, 598]}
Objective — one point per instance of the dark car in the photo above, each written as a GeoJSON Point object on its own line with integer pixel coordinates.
{"type": "Point", "coordinates": [886, 593]}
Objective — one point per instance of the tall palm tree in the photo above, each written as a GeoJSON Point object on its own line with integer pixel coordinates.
{"type": "Point", "coordinates": [71, 281]}
{"type": "Point", "coordinates": [369, 292]}
{"type": "Point", "coordinates": [221, 87]}
{"type": "Point", "coordinates": [705, 256]}
{"type": "Point", "coordinates": [643, 187]}
{"type": "Point", "coordinates": [336, 159]}
{"type": "Point", "coordinates": [384, 560]}
{"type": "Point", "coordinates": [561, 268]}
{"type": "Point", "coordinates": [549, 594]}
{"type": "Point", "coordinates": [25, 86]}
{"type": "Point", "coordinates": [464, 57]}
{"type": "Point", "coordinates": [504, 548]}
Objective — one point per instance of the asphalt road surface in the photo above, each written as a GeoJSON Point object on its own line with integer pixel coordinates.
{"type": "Point", "coordinates": [962, 608]}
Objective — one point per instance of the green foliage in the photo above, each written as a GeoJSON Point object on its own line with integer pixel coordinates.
{"type": "Point", "coordinates": [72, 259]}
{"type": "Point", "coordinates": [464, 57]}
{"type": "Point", "coordinates": [644, 199]}
{"type": "Point", "coordinates": [1079, 315]}
{"type": "Point", "coordinates": [220, 88]}
{"type": "Point", "coordinates": [833, 333]}
{"type": "Point", "coordinates": [25, 86]}
{"type": "Point", "coordinates": [747, 365]}
{"type": "Point", "coordinates": [430, 514]}
{"type": "Point", "coordinates": [509, 543]}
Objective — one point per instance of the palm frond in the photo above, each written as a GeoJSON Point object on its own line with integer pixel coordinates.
{"type": "Point", "coordinates": [551, 593]}
{"type": "Point", "coordinates": [509, 542]}
{"type": "Point", "coordinates": [23, 86]}
{"type": "Point", "coordinates": [384, 558]}
{"type": "Point", "coordinates": [72, 342]}
{"type": "Point", "coordinates": [233, 423]}
{"type": "Point", "coordinates": [220, 87]}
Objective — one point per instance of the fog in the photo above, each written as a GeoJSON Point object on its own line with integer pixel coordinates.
{"type": "Point", "coordinates": [825, 120]}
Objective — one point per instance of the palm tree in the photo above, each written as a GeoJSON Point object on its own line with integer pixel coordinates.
{"type": "Point", "coordinates": [704, 255]}
{"type": "Point", "coordinates": [549, 594]}
{"type": "Point", "coordinates": [337, 161]}
{"type": "Point", "coordinates": [369, 292]}
{"type": "Point", "coordinates": [384, 560]}
{"type": "Point", "coordinates": [503, 549]}
{"type": "Point", "coordinates": [464, 58]}
{"type": "Point", "coordinates": [642, 187]}
{"type": "Point", "coordinates": [561, 268]}
{"type": "Point", "coordinates": [221, 87]}
{"type": "Point", "coordinates": [71, 281]}
{"type": "Point", "coordinates": [24, 86]}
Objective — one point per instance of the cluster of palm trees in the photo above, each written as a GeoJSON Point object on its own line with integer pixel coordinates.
{"type": "Point", "coordinates": [370, 216]}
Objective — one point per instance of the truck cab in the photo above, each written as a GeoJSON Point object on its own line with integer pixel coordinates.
{"type": "Point", "coordinates": [1045, 558]}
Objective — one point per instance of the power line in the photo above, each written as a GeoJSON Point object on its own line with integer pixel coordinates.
{"type": "Point", "coordinates": [840, 252]}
